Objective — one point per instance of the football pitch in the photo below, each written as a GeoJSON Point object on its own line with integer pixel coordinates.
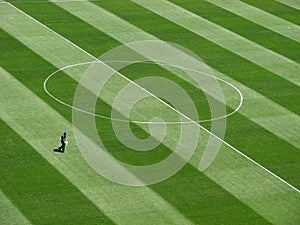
{"type": "Point", "coordinates": [177, 112]}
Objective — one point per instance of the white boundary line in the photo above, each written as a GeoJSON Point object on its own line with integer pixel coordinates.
{"type": "Point", "coordinates": [136, 121]}
{"type": "Point", "coordinates": [227, 144]}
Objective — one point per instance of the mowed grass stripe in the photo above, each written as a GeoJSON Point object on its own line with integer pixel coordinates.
{"type": "Point", "coordinates": [238, 68]}
{"type": "Point", "coordinates": [138, 200]}
{"type": "Point", "coordinates": [64, 50]}
{"type": "Point", "coordinates": [85, 11]}
{"type": "Point", "coordinates": [170, 215]}
{"type": "Point", "coordinates": [80, 11]}
{"type": "Point", "coordinates": [264, 146]}
{"type": "Point", "coordinates": [209, 13]}
{"type": "Point", "coordinates": [262, 199]}
{"type": "Point", "coordinates": [244, 28]}
{"type": "Point", "coordinates": [140, 203]}
{"type": "Point", "coordinates": [235, 43]}
{"type": "Point", "coordinates": [88, 12]}
{"type": "Point", "coordinates": [266, 113]}
{"type": "Point", "coordinates": [291, 3]}
{"type": "Point", "coordinates": [184, 192]}
{"type": "Point", "coordinates": [9, 214]}
{"type": "Point", "coordinates": [259, 17]}
{"type": "Point", "coordinates": [185, 188]}
{"type": "Point", "coordinates": [276, 8]}
{"type": "Point", "coordinates": [241, 178]}
{"type": "Point", "coordinates": [35, 187]}
{"type": "Point", "coordinates": [268, 200]}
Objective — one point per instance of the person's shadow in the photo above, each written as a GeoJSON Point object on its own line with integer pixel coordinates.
{"type": "Point", "coordinates": [57, 150]}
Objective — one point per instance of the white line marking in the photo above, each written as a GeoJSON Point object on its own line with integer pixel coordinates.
{"type": "Point", "coordinates": [227, 144]}
{"type": "Point", "coordinates": [136, 121]}
{"type": "Point", "coordinates": [97, 189]}
{"type": "Point", "coordinates": [95, 15]}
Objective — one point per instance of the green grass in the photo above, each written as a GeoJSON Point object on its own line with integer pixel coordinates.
{"type": "Point", "coordinates": [38, 190]}
{"type": "Point", "coordinates": [245, 28]}
{"type": "Point", "coordinates": [45, 196]}
{"type": "Point", "coordinates": [238, 68]}
{"type": "Point", "coordinates": [278, 9]}
{"type": "Point", "coordinates": [215, 56]}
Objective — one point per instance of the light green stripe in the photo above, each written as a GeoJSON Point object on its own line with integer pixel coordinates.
{"type": "Point", "coordinates": [22, 107]}
{"type": "Point", "coordinates": [105, 195]}
{"type": "Point", "coordinates": [242, 183]}
{"type": "Point", "coordinates": [235, 43]}
{"type": "Point", "coordinates": [110, 24]}
{"type": "Point", "coordinates": [238, 184]}
{"type": "Point", "coordinates": [102, 20]}
{"type": "Point", "coordinates": [266, 113]}
{"type": "Point", "coordinates": [260, 17]}
{"type": "Point", "coordinates": [291, 3]}
{"type": "Point", "coordinates": [268, 197]}
{"type": "Point", "coordinates": [9, 214]}
{"type": "Point", "coordinates": [41, 37]}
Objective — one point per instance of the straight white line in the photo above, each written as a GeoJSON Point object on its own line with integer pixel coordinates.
{"type": "Point", "coordinates": [240, 177]}
{"type": "Point", "coordinates": [138, 121]}
{"type": "Point", "coordinates": [104, 194]}
{"type": "Point", "coordinates": [125, 32]}
{"type": "Point", "coordinates": [67, 40]}
{"type": "Point", "coordinates": [224, 142]}
{"type": "Point", "coordinates": [86, 179]}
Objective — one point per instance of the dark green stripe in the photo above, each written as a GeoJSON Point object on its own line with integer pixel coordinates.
{"type": "Point", "coordinates": [190, 209]}
{"type": "Point", "coordinates": [193, 194]}
{"type": "Point", "coordinates": [235, 138]}
{"type": "Point", "coordinates": [37, 189]}
{"type": "Point", "coordinates": [278, 9]}
{"type": "Point", "coordinates": [30, 69]}
{"type": "Point", "coordinates": [264, 147]}
{"type": "Point", "coordinates": [243, 27]}
{"type": "Point", "coordinates": [261, 80]}
{"type": "Point", "coordinates": [240, 69]}
{"type": "Point", "coordinates": [191, 204]}
{"type": "Point", "coordinates": [270, 149]}
{"type": "Point", "coordinates": [203, 202]}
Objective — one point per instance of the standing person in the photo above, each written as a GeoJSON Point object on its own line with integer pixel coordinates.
{"type": "Point", "coordinates": [63, 141]}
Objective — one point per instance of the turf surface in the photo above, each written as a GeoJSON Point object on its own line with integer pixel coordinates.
{"type": "Point", "coordinates": [45, 195]}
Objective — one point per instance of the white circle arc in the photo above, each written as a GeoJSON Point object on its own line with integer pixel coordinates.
{"type": "Point", "coordinates": [136, 121]}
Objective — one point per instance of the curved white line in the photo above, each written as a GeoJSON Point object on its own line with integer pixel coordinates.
{"type": "Point", "coordinates": [136, 121]}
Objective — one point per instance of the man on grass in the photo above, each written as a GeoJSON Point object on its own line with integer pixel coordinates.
{"type": "Point", "coordinates": [63, 141]}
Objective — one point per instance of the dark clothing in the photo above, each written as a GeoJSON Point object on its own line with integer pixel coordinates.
{"type": "Point", "coordinates": [63, 144]}
{"type": "Point", "coordinates": [62, 139]}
